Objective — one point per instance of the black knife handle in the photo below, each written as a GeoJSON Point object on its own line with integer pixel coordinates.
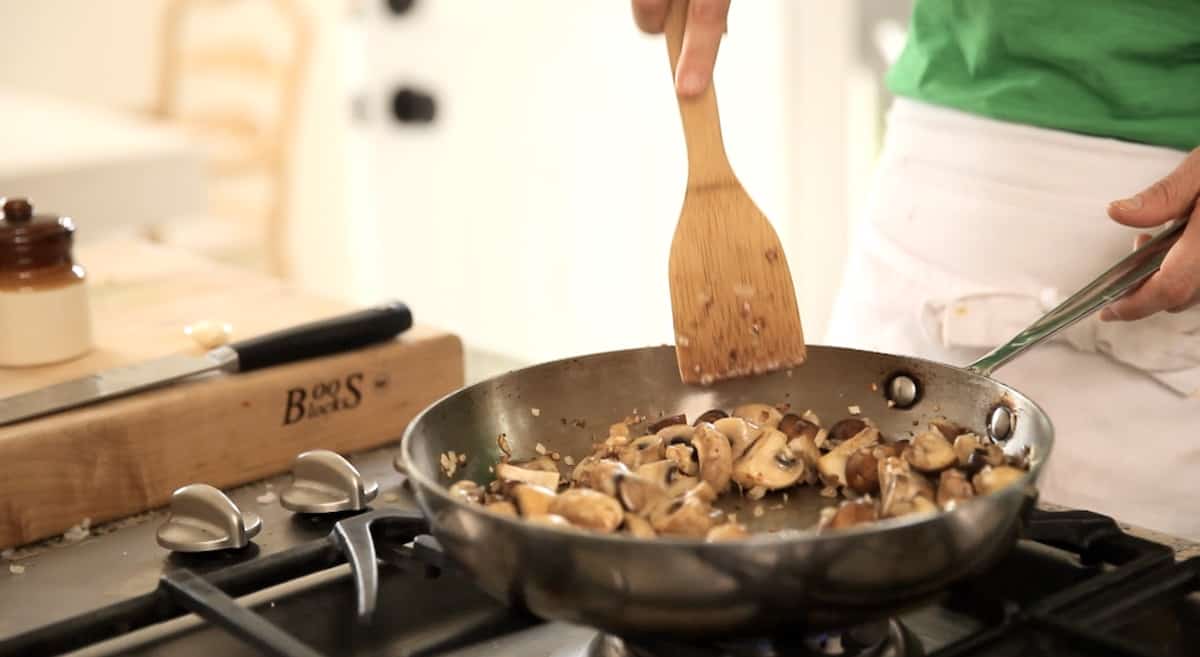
{"type": "Point", "coordinates": [328, 336]}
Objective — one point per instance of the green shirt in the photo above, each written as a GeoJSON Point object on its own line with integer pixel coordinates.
{"type": "Point", "coordinates": [1126, 69]}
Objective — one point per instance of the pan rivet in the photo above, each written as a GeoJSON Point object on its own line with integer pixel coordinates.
{"type": "Point", "coordinates": [902, 390]}
{"type": "Point", "coordinates": [1000, 423]}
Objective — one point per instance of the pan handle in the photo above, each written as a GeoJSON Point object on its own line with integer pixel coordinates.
{"type": "Point", "coordinates": [1106, 288]}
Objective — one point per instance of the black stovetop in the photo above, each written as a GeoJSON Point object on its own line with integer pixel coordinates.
{"type": "Point", "coordinates": [1074, 586]}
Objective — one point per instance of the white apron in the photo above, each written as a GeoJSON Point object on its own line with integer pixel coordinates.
{"type": "Point", "coordinates": [973, 228]}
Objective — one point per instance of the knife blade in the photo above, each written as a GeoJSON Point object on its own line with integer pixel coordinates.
{"type": "Point", "coordinates": [321, 338]}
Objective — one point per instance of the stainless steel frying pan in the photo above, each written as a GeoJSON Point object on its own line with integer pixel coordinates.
{"type": "Point", "coordinates": [789, 579]}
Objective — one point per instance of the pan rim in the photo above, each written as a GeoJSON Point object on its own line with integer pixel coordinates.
{"type": "Point", "coordinates": [791, 537]}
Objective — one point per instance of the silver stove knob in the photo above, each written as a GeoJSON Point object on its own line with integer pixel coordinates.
{"type": "Point", "coordinates": [324, 482]}
{"type": "Point", "coordinates": [204, 519]}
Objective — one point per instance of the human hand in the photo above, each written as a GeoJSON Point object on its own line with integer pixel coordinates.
{"type": "Point", "coordinates": [1176, 285]}
{"type": "Point", "coordinates": [701, 38]}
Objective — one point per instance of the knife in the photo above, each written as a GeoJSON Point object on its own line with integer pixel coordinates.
{"type": "Point", "coordinates": [321, 338]}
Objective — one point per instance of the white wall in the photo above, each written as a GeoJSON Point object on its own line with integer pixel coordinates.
{"type": "Point", "coordinates": [535, 216]}
{"type": "Point", "coordinates": [107, 53]}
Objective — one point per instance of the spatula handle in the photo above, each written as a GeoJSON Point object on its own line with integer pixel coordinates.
{"type": "Point", "coordinates": [707, 162]}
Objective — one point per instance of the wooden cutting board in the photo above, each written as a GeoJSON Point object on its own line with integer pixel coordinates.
{"type": "Point", "coordinates": [125, 456]}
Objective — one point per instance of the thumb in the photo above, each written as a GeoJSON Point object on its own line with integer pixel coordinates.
{"type": "Point", "coordinates": [1169, 198]}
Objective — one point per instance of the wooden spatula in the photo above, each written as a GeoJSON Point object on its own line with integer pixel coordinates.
{"type": "Point", "coordinates": [731, 290]}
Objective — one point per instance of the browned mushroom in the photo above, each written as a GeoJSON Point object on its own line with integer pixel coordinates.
{"type": "Point", "coordinates": [903, 490]}
{"type": "Point", "coordinates": [588, 509]}
{"type": "Point", "coordinates": [644, 449]}
{"type": "Point", "coordinates": [511, 473]}
{"type": "Point", "coordinates": [638, 526]}
{"type": "Point", "coordinates": [964, 445]}
{"type": "Point", "coordinates": [532, 500]}
{"type": "Point", "coordinates": [740, 434]}
{"type": "Point", "coordinates": [619, 429]}
{"type": "Point", "coordinates": [685, 457]}
{"type": "Point", "coordinates": [930, 452]}
{"type": "Point", "coordinates": [715, 455]}
{"type": "Point", "coordinates": [850, 513]}
{"type": "Point", "coordinates": [550, 519]}
{"type": "Point", "coordinates": [502, 507]}
{"type": "Point", "coordinates": [666, 422]}
{"type": "Point", "coordinates": [953, 489]}
{"type": "Point", "coordinates": [711, 416]}
{"type": "Point", "coordinates": [948, 429]}
{"type": "Point", "coordinates": [993, 478]}
{"type": "Point", "coordinates": [730, 531]}
{"type": "Point", "coordinates": [666, 473]}
{"type": "Point", "coordinates": [598, 474]}
{"type": "Point", "coordinates": [793, 425]}
{"type": "Point", "coordinates": [862, 471]}
{"type": "Point", "coordinates": [541, 463]}
{"type": "Point", "coordinates": [686, 516]}
{"type": "Point", "coordinates": [638, 494]}
{"type": "Point", "coordinates": [807, 450]}
{"type": "Point", "coordinates": [762, 415]}
{"type": "Point", "coordinates": [468, 491]}
{"type": "Point", "coordinates": [832, 465]}
{"type": "Point", "coordinates": [844, 430]}
{"type": "Point", "coordinates": [769, 463]}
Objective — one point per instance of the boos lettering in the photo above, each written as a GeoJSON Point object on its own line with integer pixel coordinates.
{"type": "Point", "coordinates": [323, 398]}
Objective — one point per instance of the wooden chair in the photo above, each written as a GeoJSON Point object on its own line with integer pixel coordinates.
{"type": "Point", "coordinates": [231, 75]}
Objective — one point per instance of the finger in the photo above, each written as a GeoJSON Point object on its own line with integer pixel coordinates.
{"type": "Point", "coordinates": [1174, 287]}
{"type": "Point", "coordinates": [1169, 198]}
{"type": "Point", "coordinates": [650, 15]}
{"type": "Point", "coordinates": [701, 38]}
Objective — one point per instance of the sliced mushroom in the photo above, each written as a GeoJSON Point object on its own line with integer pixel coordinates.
{"type": "Point", "coordinates": [964, 445]}
{"type": "Point", "coordinates": [793, 425]}
{"type": "Point", "coordinates": [769, 462]}
{"type": "Point", "coordinates": [502, 507]}
{"type": "Point", "coordinates": [541, 463]}
{"type": "Point", "coordinates": [903, 490]}
{"type": "Point", "coordinates": [619, 429]}
{"type": "Point", "coordinates": [686, 516]}
{"type": "Point", "coordinates": [986, 455]}
{"type": "Point", "coordinates": [638, 526]}
{"type": "Point", "coordinates": [702, 491]}
{"type": "Point", "coordinates": [832, 465]}
{"type": "Point", "coordinates": [532, 500]}
{"type": "Point", "coordinates": [850, 513]}
{"type": "Point", "coordinates": [676, 434]}
{"type": "Point", "coordinates": [511, 473]}
{"type": "Point", "coordinates": [862, 471]}
{"type": "Point", "coordinates": [711, 416]}
{"type": "Point", "coordinates": [715, 455]}
{"type": "Point", "coordinates": [953, 489]}
{"type": "Point", "coordinates": [667, 422]}
{"type": "Point", "coordinates": [610, 447]}
{"type": "Point", "coordinates": [681, 485]}
{"type": "Point", "coordinates": [468, 491]}
{"type": "Point", "coordinates": [762, 415]}
{"type": "Point", "coordinates": [599, 475]}
{"type": "Point", "coordinates": [638, 494]}
{"type": "Point", "coordinates": [685, 457]}
{"type": "Point", "coordinates": [588, 509]}
{"type": "Point", "coordinates": [645, 449]}
{"type": "Point", "coordinates": [551, 519]}
{"type": "Point", "coordinates": [730, 531]}
{"type": "Point", "coordinates": [930, 452]}
{"type": "Point", "coordinates": [807, 448]}
{"type": "Point", "coordinates": [740, 434]}
{"type": "Point", "coordinates": [993, 478]}
{"type": "Point", "coordinates": [663, 472]}
{"type": "Point", "coordinates": [949, 430]}
{"type": "Point", "coordinates": [844, 430]}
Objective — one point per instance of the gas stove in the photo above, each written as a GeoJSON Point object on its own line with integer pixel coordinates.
{"type": "Point", "coordinates": [1077, 584]}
